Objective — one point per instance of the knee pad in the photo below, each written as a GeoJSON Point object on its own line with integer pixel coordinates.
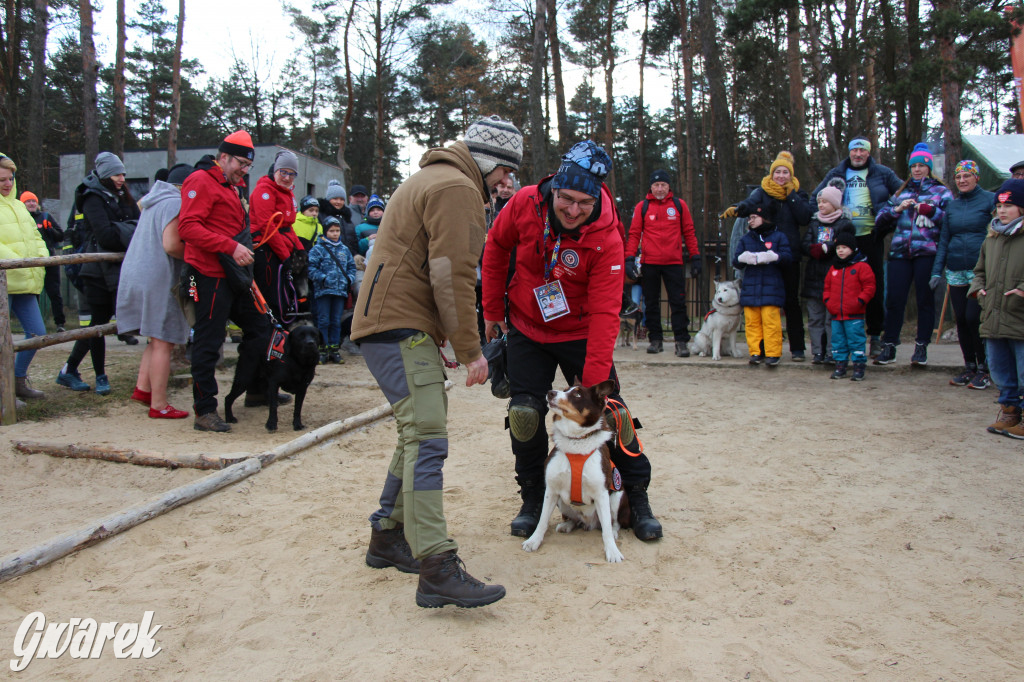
{"type": "Point", "coordinates": [620, 418]}
{"type": "Point", "coordinates": [524, 417]}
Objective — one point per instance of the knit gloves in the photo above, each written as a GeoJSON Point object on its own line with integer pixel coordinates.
{"type": "Point", "coordinates": [766, 257]}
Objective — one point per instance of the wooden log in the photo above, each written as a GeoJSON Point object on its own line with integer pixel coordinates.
{"type": "Point", "coordinates": [323, 433]}
{"type": "Point", "coordinates": [147, 458]}
{"type": "Point", "coordinates": [8, 411]}
{"type": "Point", "coordinates": [60, 337]}
{"type": "Point", "coordinates": [20, 563]}
{"type": "Point", "coordinates": [16, 263]}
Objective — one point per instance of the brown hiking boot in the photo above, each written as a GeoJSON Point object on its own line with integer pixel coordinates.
{"type": "Point", "coordinates": [444, 580]}
{"type": "Point", "coordinates": [1015, 431]}
{"type": "Point", "coordinates": [1009, 415]}
{"type": "Point", "coordinates": [390, 548]}
{"type": "Point", "coordinates": [210, 421]}
{"type": "Point", "coordinates": [23, 389]}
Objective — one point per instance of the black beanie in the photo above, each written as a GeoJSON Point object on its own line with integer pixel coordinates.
{"type": "Point", "coordinates": [846, 238]}
{"type": "Point", "coordinates": [660, 176]}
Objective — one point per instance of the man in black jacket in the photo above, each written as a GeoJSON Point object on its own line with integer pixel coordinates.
{"type": "Point", "coordinates": [52, 233]}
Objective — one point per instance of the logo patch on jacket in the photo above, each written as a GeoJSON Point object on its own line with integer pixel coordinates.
{"type": "Point", "coordinates": [192, 194]}
{"type": "Point", "coordinates": [570, 258]}
{"type": "Point", "coordinates": [767, 245]}
{"type": "Point", "coordinates": [671, 211]}
{"type": "Point", "coordinates": [265, 196]}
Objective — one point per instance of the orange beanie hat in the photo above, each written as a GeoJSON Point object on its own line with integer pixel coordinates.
{"type": "Point", "coordinates": [28, 196]}
{"type": "Point", "coordinates": [238, 143]}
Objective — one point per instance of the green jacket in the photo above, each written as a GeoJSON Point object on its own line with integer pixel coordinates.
{"type": "Point", "coordinates": [422, 272]}
{"type": "Point", "coordinates": [1000, 269]}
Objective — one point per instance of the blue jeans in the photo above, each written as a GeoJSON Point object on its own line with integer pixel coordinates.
{"type": "Point", "coordinates": [26, 308]}
{"type": "Point", "coordinates": [848, 340]}
{"type": "Point", "coordinates": [1006, 367]}
{"type": "Point", "coordinates": [329, 310]}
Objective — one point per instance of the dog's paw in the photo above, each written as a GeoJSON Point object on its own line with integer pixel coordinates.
{"type": "Point", "coordinates": [565, 527]}
{"type": "Point", "coordinates": [531, 545]}
{"type": "Point", "coordinates": [716, 357]}
{"type": "Point", "coordinates": [299, 426]}
{"type": "Point", "coordinates": [231, 419]}
{"type": "Point", "coordinates": [613, 555]}
{"type": "Point", "coordinates": [271, 426]}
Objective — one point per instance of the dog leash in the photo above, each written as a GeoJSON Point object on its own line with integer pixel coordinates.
{"type": "Point", "coordinates": [617, 416]}
{"type": "Point", "coordinates": [273, 225]}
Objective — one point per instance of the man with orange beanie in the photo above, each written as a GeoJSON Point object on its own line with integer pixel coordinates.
{"type": "Point", "coordinates": [212, 217]}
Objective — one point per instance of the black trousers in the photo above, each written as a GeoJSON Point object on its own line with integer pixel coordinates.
{"type": "Point", "coordinates": [216, 304]}
{"type": "Point", "coordinates": [794, 311]}
{"type": "Point", "coordinates": [968, 321]}
{"type": "Point", "coordinates": [102, 303]}
{"type": "Point", "coordinates": [531, 370]}
{"type": "Point", "coordinates": [873, 249]}
{"type": "Point", "coordinates": [674, 277]}
{"type": "Point", "coordinates": [51, 285]}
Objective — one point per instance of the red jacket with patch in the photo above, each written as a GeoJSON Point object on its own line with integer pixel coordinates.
{"type": "Point", "coordinates": [848, 288]}
{"type": "Point", "coordinates": [589, 269]}
{"type": "Point", "coordinates": [211, 215]}
{"type": "Point", "coordinates": [664, 232]}
{"type": "Point", "coordinates": [267, 199]}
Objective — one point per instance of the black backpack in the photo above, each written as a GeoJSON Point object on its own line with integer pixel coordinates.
{"type": "Point", "coordinates": [79, 240]}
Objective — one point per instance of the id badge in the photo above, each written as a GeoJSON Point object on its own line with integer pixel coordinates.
{"type": "Point", "coordinates": [551, 300]}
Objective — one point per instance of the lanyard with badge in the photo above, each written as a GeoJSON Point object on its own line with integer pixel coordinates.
{"type": "Point", "coordinates": [549, 295]}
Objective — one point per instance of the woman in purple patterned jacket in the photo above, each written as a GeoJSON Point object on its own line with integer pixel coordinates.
{"type": "Point", "coordinates": [914, 216]}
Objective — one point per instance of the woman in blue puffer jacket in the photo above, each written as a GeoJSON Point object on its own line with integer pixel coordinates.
{"type": "Point", "coordinates": [914, 214]}
{"type": "Point", "coordinates": [963, 230]}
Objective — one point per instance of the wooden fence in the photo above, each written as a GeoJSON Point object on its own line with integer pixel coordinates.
{"type": "Point", "coordinates": [8, 346]}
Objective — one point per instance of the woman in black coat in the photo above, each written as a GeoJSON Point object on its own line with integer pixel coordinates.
{"type": "Point", "coordinates": [110, 215]}
{"type": "Point", "coordinates": [780, 201]}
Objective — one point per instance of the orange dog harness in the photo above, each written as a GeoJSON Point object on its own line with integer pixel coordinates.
{"type": "Point", "coordinates": [576, 462]}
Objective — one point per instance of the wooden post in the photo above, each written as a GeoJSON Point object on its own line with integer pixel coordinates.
{"type": "Point", "coordinates": [8, 413]}
{"type": "Point", "coordinates": [146, 458]}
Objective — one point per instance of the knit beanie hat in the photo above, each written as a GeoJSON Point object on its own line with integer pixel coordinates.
{"type": "Point", "coordinates": [494, 142]}
{"type": "Point", "coordinates": [335, 191]}
{"type": "Point", "coordinates": [374, 202]}
{"type": "Point", "coordinates": [921, 154]}
{"type": "Point", "coordinates": [832, 195]}
{"type": "Point", "coordinates": [330, 220]}
{"type": "Point", "coordinates": [846, 238]}
{"type": "Point", "coordinates": [783, 159]}
{"type": "Point", "coordinates": [238, 143]}
{"type": "Point", "coordinates": [1011, 192]}
{"type": "Point", "coordinates": [583, 169]}
{"type": "Point", "coordinates": [660, 176]}
{"type": "Point", "coordinates": [177, 173]}
{"type": "Point", "coordinates": [286, 160]}
{"type": "Point", "coordinates": [308, 201]}
{"type": "Point", "coordinates": [161, 174]}
{"type": "Point", "coordinates": [108, 165]}
{"type": "Point", "coordinates": [28, 196]}
{"type": "Point", "coordinates": [967, 166]}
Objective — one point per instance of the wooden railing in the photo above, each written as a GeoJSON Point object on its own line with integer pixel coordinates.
{"type": "Point", "coordinates": [8, 347]}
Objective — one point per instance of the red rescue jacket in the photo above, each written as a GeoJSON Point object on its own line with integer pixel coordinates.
{"type": "Point", "coordinates": [267, 199]}
{"type": "Point", "coordinates": [664, 231]}
{"type": "Point", "coordinates": [589, 269]}
{"type": "Point", "coordinates": [211, 215]}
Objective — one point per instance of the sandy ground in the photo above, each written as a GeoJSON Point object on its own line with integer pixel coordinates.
{"type": "Point", "coordinates": [814, 530]}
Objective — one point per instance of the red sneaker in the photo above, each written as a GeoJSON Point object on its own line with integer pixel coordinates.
{"type": "Point", "coordinates": [168, 412]}
{"type": "Point", "coordinates": [140, 396]}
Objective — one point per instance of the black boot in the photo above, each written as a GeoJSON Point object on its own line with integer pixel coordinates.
{"type": "Point", "coordinates": [858, 371]}
{"type": "Point", "coordinates": [390, 548]}
{"type": "Point", "coordinates": [444, 580]}
{"type": "Point", "coordinates": [532, 493]}
{"type": "Point", "coordinates": [840, 370]}
{"type": "Point", "coordinates": [641, 518]}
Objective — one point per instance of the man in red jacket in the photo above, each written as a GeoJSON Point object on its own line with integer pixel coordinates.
{"type": "Point", "coordinates": [666, 223]}
{"type": "Point", "coordinates": [563, 313]}
{"type": "Point", "coordinates": [211, 215]}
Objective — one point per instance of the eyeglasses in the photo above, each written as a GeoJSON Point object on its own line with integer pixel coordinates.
{"type": "Point", "coordinates": [1018, 175]}
{"type": "Point", "coordinates": [245, 163]}
{"type": "Point", "coordinates": [288, 174]}
{"type": "Point", "coordinates": [585, 205]}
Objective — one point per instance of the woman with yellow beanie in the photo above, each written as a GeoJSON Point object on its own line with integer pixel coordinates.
{"type": "Point", "coordinates": [780, 201]}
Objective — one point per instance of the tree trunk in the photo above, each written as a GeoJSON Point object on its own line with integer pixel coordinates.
{"type": "Point", "coordinates": [556, 71]}
{"type": "Point", "coordinates": [172, 128]}
{"type": "Point", "coordinates": [33, 175]}
{"type": "Point", "coordinates": [797, 105]}
{"type": "Point", "coordinates": [950, 99]}
{"type": "Point", "coordinates": [814, 49]}
{"type": "Point", "coordinates": [536, 94]}
{"type": "Point", "coordinates": [91, 130]}
{"type": "Point", "coordinates": [641, 146]}
{"type": "Point", "coordinates": [11, 131]}
{"type": "Point", "coordinates": [349, 104]}
{"type": "Point", "coordinates": [609, 99]}
{"type": "Point", "coordinates": [117, 132]}
{"type": "Point", "coordinates": [724, 135]}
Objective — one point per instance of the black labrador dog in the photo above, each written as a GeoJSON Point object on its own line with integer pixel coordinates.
{"type": "Point", "coordinates": [292, 372]}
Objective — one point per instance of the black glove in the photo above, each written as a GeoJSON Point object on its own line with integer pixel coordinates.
{"type": "Point", "coordinates": [695, 266]}
{"type": "Point", "coordinates": [631, 271]}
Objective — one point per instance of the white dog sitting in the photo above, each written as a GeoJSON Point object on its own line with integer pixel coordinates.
{"type": "Point", "coordinates": [720, 324]}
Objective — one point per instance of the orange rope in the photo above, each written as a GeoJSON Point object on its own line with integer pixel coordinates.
{"type": "Point", "coordinates": [612, 404]}
{"type": "Point", "coordinates": [273, 225]}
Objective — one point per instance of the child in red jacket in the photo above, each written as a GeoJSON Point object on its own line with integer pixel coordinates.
{"type": "Point", "coordinates": [849, 285]}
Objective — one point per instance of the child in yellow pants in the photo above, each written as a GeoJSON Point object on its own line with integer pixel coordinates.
{"type": "Point", "coordinates": [760, 253]}
{"type": "Point", "coordinates": [763, 323]}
